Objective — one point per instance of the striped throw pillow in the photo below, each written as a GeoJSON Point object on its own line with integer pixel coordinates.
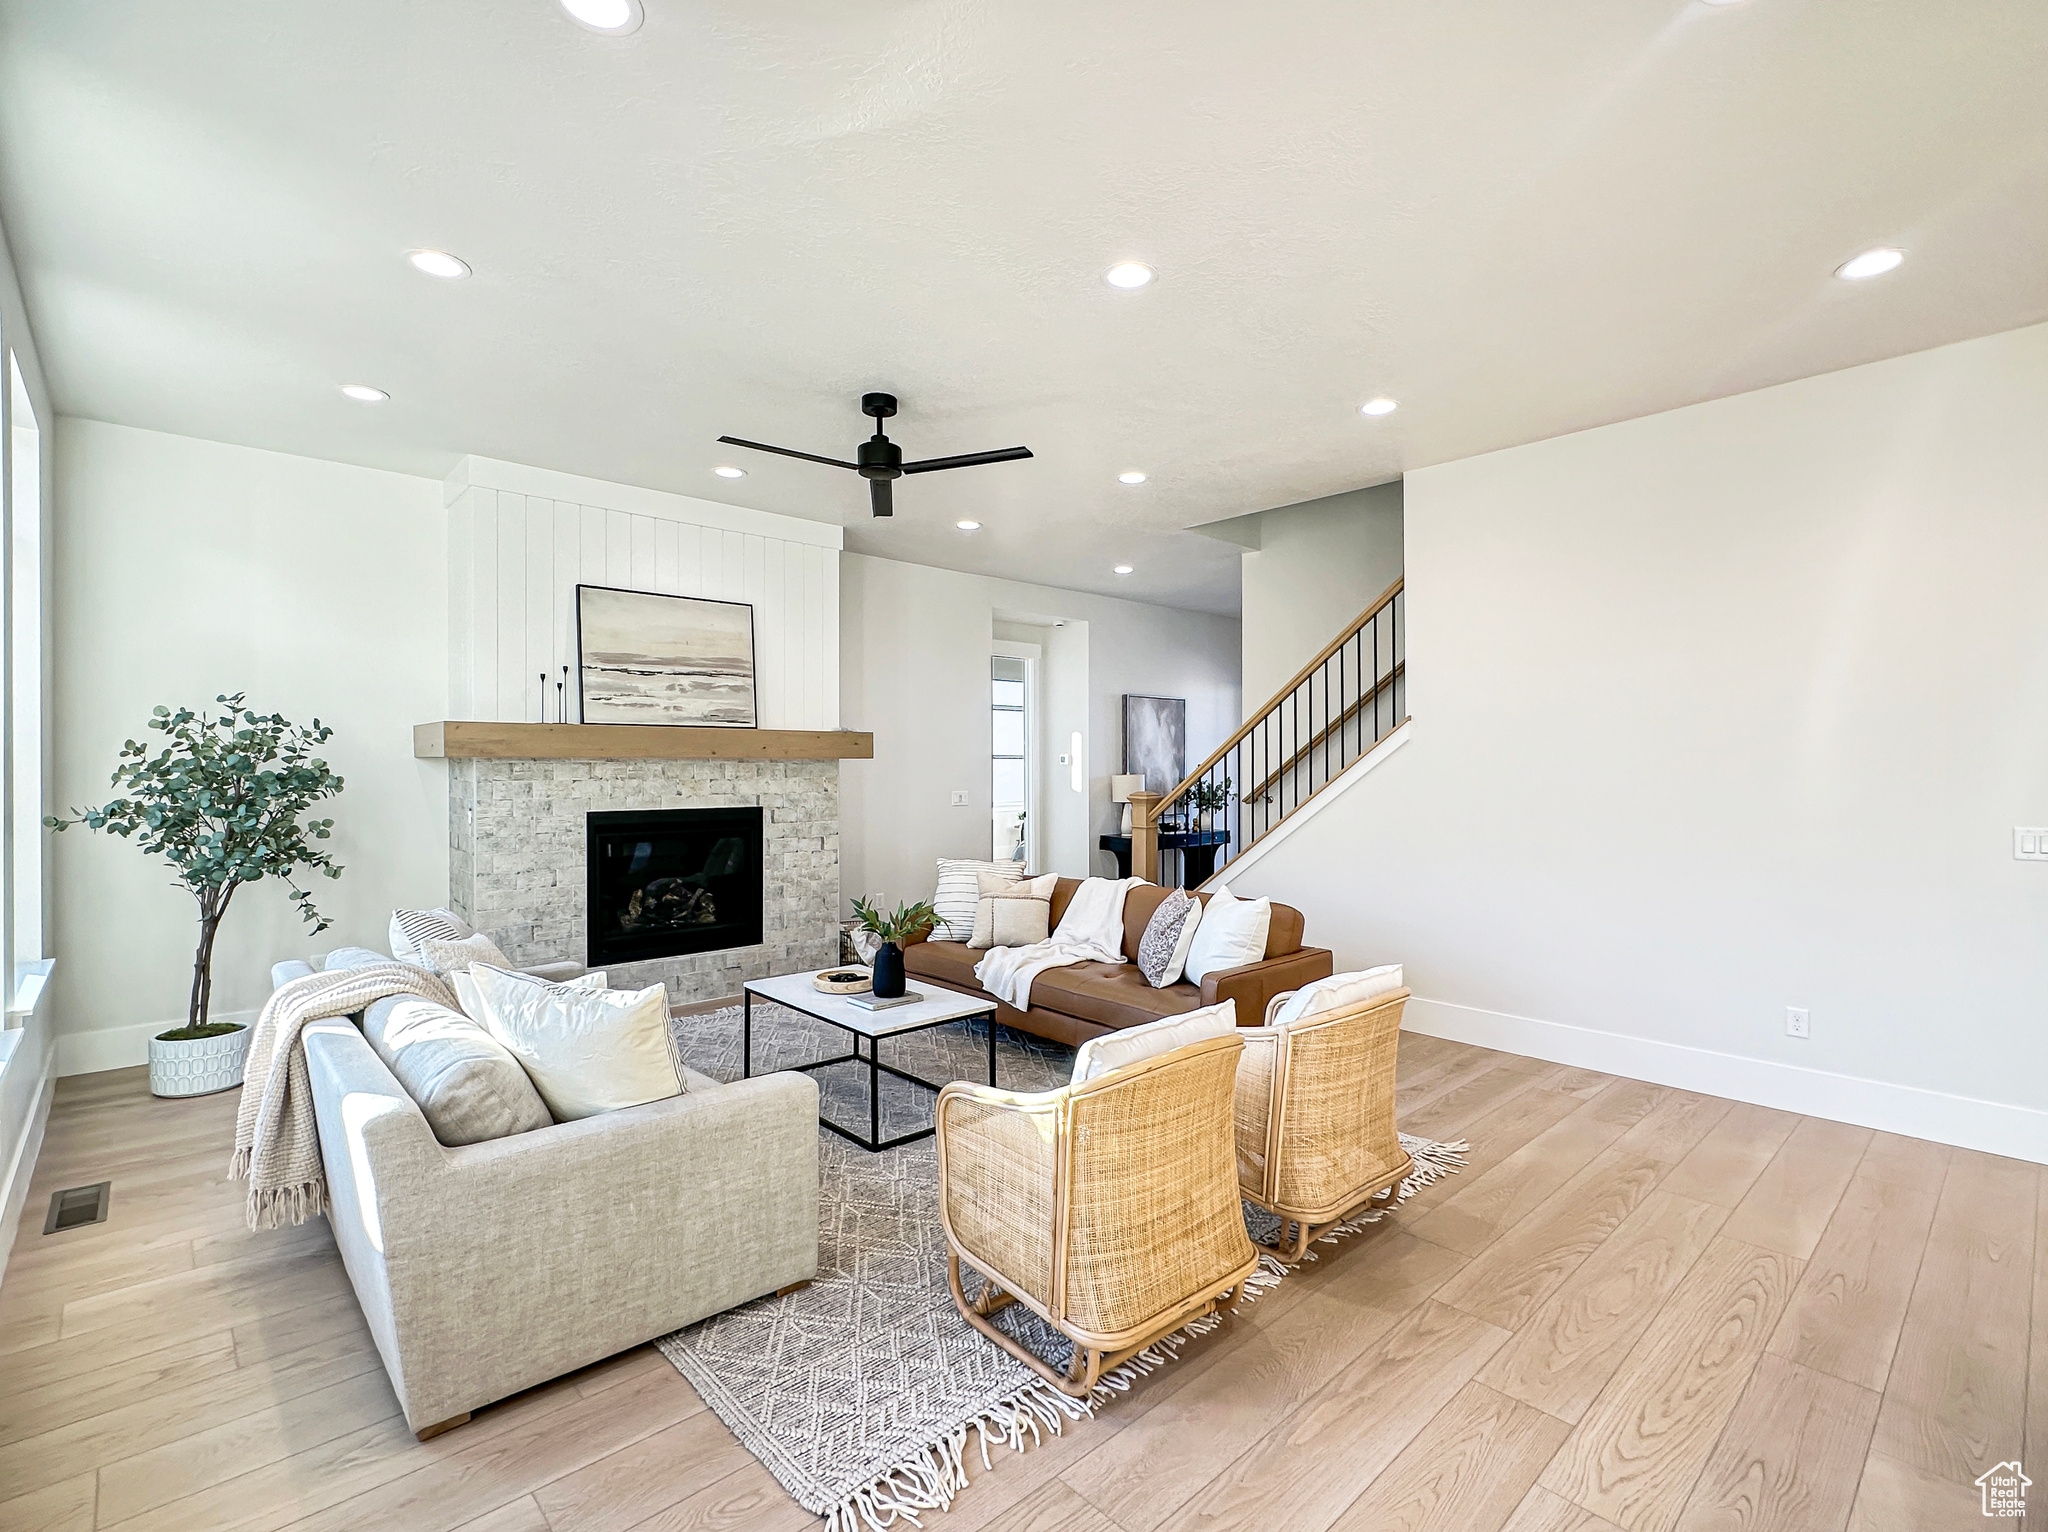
{"type": "Point", "coordinates": [959, 892]}
{"type": "Point", "coordinates": [411, 928]}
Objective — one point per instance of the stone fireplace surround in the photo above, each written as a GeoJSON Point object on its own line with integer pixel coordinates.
{"type": "Point", "coordinates": [516, 859]}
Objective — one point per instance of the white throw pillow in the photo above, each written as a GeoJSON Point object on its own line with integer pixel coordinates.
{"type": "Point", "coordinates": [472, 1001]}
{"type": "Point", "coordinates": [411, 927]}
{"type": "Point", "coordinates": [1099, 1055]}
{"type": "Point", "coordinates": [958, 893]}
{"type": "Point", "coordinates": [1012, 912]}
{"type": "Point", "coordinates": [1232, 934]}
{"type": "Point", "coordinates": [587, 1050]}
{"type": "Point", "coordinates": [1336, 992]}
{"type": "Point", "coordinates": [446, 957]}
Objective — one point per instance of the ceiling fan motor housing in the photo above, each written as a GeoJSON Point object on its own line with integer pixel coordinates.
{"type": "Point", "coordinates": [879, 458]}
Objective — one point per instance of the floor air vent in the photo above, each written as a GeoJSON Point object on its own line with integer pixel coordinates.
{"type": "Point", "coordinates": [77, 1206]}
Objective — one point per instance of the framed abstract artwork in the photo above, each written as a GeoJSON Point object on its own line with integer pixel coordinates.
{"type": "Point", "coordinates": [647, 658]}
{"type": "Point", "coordinates": [1156, 740]}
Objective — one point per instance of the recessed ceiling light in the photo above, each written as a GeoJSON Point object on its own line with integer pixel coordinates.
{"type": "Point", "coordinates": [614, 18]}
{"type": "Point", "coordinates": [727, 471]}
{"type": "Point", "coordinates": [1379, 406]}
{"type": "Point", "coordinates": [362, 393]}
{"type": "Point", "coordinates": [438, 263]}
{"type": "Point", "coordinates": [1121, 569]}
{"type": "Point", "coordinates": [1133, 477]}
{"type": "Point", "coordinates": [968, 526]}
{"type": "Point", "coordinates": [1871, 263]}
{"type": "Point", "coordinates": [1128, 275]}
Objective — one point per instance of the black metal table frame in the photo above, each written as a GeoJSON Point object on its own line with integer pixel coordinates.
{"type": "Point", "coordinates": [874, 1143]}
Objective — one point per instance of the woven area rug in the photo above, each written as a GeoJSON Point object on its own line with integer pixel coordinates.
{"type": "Point", "coordinates": [865, 1393]}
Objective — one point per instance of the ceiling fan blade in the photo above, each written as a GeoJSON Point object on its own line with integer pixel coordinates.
{"type": "Point", "coordinates": [808, 457]}
{"type": "Point", "coordinates": [881, 497]}
{"type": "Point", "coordinates": [967, 460]}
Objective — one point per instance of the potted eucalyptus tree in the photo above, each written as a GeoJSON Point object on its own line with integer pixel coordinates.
{"type": "Point", "coordinates": [222, 802]}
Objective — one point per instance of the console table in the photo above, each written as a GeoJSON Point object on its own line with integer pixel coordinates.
{"type": "Point", "coordinates": [1197, 850]}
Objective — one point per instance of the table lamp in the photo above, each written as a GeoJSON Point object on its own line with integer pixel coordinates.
{"type": "Point", "coordinates": [1120, 790]}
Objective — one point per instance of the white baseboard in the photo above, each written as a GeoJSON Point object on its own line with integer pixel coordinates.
{"type": "Point", "coordinates": [21, 1169]}
{"type": "Point", "coordinates": [87, 1053]}
{"type": "Point", "coordinates": [2017, 1132]}
{"type": "Point", "coordinates": [1331, 791]}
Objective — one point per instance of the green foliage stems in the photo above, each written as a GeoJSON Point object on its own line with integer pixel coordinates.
{"type": "Point", "coordinates": [905, 923]}
{"type": "Point", "coordinates": [221, 803]}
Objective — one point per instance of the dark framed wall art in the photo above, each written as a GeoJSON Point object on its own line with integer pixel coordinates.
{"type": "Point", "coordinates": [680, 660]}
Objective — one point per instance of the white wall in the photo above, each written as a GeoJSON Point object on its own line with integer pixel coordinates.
{"type": "Point", "coordinates": [914, 645]}
{"type": "Point", "coordinates": [1722, 711]}
{"type": "Point", "coordinates": [185, 569]}
{"type": "Point", "coordinates": [1318, 565]}
{"type": "Point", "coordinates": [521, 539]}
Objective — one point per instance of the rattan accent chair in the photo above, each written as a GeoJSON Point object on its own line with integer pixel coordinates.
{"type": "Point", "coordinates": [1315, 1116]}
{"type": "Point", "coordinates": [1108, 1208]}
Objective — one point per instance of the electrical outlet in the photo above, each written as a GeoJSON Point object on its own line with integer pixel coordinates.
{"type": "Point", "coordinates": [1796, 1023]}
{"type": "Point", "coordinates": [959, 797]}
{"type": "Point", "coordinates": [2029, 843]}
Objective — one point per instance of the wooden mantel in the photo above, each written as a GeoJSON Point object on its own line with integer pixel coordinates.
{"type": "Point", "coordinates": [454, 739]}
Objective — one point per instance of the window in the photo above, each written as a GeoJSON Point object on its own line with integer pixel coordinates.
{"type": "Point", "coordinates": [1010, 756]}
{"type": "Point", "coordinates": [21, 690]}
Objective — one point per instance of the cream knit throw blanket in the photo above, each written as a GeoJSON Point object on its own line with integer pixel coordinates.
{"type": "Point", "coordinates": [277, 1144]}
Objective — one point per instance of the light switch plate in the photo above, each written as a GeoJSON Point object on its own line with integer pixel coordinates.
{"type": "Point", "coordinates": [2030, 843]}
{"type": "Point", "coordinates": [959, 797]}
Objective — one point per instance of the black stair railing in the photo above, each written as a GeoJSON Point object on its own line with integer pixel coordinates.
{"type": "Point", "coordinates": [1336, 709]}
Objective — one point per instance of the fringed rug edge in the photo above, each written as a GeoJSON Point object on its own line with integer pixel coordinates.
{"type": "Point", "coordinates": [930, 1478]}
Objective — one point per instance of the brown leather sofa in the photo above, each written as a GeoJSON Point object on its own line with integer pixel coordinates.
{"type": "Point", "coordinates": [1071, 1005]}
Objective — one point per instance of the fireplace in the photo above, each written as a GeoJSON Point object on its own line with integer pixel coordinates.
{"type": "Point", "coordinates": [670, 881]}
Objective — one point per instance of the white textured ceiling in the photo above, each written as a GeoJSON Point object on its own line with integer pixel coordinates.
{"type": "Point", "coordinates": [1519, 219]}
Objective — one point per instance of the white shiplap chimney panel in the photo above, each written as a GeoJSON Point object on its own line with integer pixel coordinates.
{"type": "Point", "coordinates": [522, 539]}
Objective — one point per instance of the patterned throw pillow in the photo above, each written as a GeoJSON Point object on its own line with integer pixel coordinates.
{"type": "Point", "coordinates": [1163, 950]}
{"type": "Point", "coordinates": [454, 957]}
{"type": "Point", "coordinates": [959, 892]}
{"type": "Point", "coordinates": [1012, 912]}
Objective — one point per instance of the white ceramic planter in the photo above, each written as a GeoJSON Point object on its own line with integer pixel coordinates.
{"type": "Point", "coordinates": [199, 1067]}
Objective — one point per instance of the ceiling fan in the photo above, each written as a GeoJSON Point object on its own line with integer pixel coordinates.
{"type": "Point", "coordinates": [880, 461]}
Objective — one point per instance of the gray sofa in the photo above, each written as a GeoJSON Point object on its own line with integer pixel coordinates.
{"type": "Point", "coordinates": [488, 1268]}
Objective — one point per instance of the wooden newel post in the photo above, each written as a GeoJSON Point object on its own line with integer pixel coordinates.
{"type": "Point", "coordinates": [1145, 836]}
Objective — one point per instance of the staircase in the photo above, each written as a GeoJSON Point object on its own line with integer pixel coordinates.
{"type": "Point", "coordinates": [1338, 708]}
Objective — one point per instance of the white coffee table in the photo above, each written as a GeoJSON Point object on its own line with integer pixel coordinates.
{"type": "Point", "coordinates": [935, 1008]}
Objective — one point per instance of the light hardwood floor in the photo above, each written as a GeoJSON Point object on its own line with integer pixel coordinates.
{"type": "Point", "coordinates": [1637, 1308]}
